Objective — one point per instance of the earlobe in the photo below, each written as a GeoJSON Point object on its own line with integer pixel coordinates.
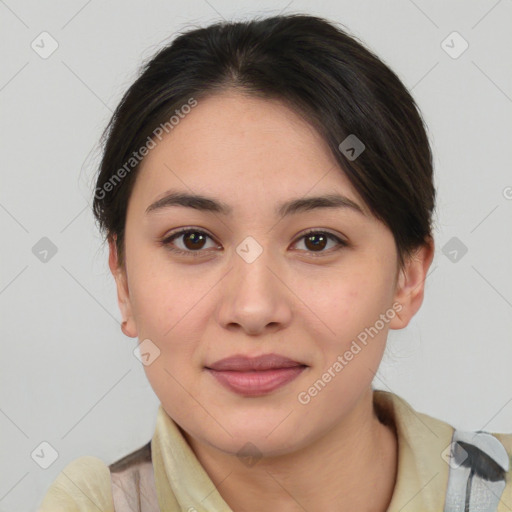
{"type": "Point", "coordinates": [123, 296]}
{"type": "Point", "coordinates": [411, 285]}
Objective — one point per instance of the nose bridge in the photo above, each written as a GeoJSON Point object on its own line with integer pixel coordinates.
{"type": "Point", "coordinates": [251, 267]}
{"type": "Point", "coordinates": [253, 297]}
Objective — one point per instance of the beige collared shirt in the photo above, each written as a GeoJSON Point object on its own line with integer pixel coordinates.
{"type": "Point", "coordinates": [182, 483]}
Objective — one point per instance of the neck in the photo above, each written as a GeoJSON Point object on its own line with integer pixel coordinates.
{"type": "Point", "coordinates": [351, 467]}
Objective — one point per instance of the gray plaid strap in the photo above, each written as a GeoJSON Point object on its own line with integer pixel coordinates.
{"type": "Point", "coordinates": [133, 490]}
{"type": "Point", "coordinates": [478, 463]}
{"type": "Point", "coordinates": [133, 482]}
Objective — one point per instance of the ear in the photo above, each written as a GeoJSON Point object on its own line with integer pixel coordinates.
{"type": "Point", "coordinates": [410, 285]}
{"type": "Point", "coordinates": [123, 296]}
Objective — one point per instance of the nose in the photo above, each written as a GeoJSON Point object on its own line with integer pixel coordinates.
{"type": "Point", "coordinates": [255, 297]}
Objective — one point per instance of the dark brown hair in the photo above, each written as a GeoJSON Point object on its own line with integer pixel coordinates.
{"type": "Point", "coordinates": [326, 75]}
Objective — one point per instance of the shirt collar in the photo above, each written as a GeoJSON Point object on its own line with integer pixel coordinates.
{"type": "Point", "coordinates": [422, 475]}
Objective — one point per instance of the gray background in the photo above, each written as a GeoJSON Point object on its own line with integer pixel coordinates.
{"type": "Point", "coordinates": [68, 374]}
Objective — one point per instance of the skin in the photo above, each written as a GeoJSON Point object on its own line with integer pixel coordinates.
{"type": "Point", "coordinates": [323, 455]}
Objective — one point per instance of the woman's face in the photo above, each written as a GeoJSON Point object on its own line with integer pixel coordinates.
{"type": "Point", "coordinates": [254, 284]}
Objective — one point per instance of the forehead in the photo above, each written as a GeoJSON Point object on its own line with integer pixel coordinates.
{"type": "Point", "coordinates": [234, 145]}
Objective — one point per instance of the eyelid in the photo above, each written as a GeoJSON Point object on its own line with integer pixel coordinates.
{"type": "Point", "coordinates": [319, 230]}
{"type": "Point", "coordinates": [184, 229]}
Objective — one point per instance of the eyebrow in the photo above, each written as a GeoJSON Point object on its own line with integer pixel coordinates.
{"type": "Point", "coordinates": [207, 204]}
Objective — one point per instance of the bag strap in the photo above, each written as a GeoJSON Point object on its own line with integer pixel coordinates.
{"type": "Point", "coordinates": [478, 464]}
{"type": "Point", "coordinates": [133, 482]}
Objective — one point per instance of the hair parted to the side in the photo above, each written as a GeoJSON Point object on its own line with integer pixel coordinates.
{"type": "Point", "coordinates": [326, 75]}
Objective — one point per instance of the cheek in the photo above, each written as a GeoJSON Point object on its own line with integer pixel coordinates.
{"type": "Point", "coordinates": [350, 341]}
{"type": "Point", "coordinates": [163, 299]}
{"type": "Point", "coordinates": [343, 303]}
{"type": "Point", "coordinates": [171, 320]}
{"type": "Point", "coordinates": [344, 320]}
{"type": "Point", "coordinates": [174, 326]}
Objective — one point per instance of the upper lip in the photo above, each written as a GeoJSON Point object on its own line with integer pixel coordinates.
{"type": "Point", "coordinates": [243, 363]}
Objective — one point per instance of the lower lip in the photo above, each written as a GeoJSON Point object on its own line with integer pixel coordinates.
{"type": "Point", "coordinates": [256, 383]}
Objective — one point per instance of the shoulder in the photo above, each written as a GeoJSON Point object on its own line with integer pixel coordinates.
{"type": "Point", "coordinates": [481, 469]}
{"type": "Point", "coordinates": [83, 485]}
{"type": "Point", "coordinates": [465, 460]}
{"type": "Point", "coordinates": [506, 441]}
{"type": "Point", "coordinates": [87, 483]}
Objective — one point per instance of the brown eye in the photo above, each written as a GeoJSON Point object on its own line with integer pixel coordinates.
{"type": "Point", "coordinates": [316, 242]}
{"type": "Point", "coordinates": [192, 242]}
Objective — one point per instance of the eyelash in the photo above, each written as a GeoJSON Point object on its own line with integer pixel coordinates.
{"type": "Point", "coordinates": [167, 241]}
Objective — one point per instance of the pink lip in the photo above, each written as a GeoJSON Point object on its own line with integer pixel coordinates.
{"type": "Point", "coordinates": [243, 363]}
{"type": "Point", "coordinates": [255, 383]}
{"type": "Point", "coordinates": [254, 376]}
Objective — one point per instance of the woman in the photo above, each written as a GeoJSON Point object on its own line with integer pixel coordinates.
{"type": "Point", "coordinates": [267, 193]}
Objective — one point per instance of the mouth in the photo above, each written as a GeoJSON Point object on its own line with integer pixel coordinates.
{"type": "Point", "coordinates": [255, 376]}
